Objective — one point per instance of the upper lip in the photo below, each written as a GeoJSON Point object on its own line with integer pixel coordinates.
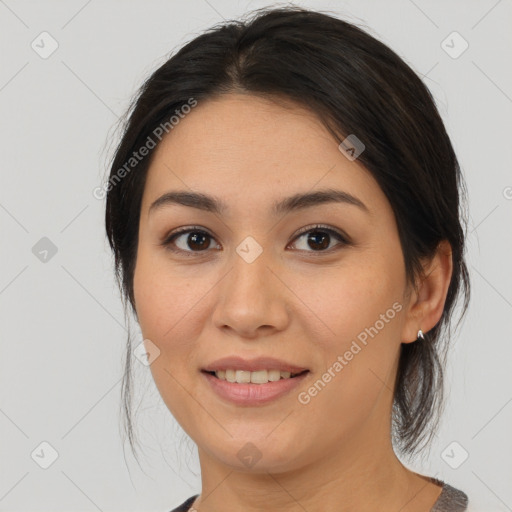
{"type": "Point", "coordinates": [252, 365]}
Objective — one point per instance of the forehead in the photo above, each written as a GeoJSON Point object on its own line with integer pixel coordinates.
{"type": "Point", "coordinates": [253, 151]}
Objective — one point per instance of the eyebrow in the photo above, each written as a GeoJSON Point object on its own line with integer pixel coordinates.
{"type": "Point", "coordinates": [293, 203]}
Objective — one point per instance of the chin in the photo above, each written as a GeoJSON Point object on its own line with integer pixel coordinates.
{"type": "Point", "coordinates": [257, 454]}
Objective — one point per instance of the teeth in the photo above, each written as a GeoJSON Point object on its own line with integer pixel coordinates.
{"type": "Point", "coordinates": [258, 377]}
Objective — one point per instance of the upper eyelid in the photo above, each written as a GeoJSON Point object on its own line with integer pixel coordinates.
{"type": "Point", "coordinates": [342, 238]}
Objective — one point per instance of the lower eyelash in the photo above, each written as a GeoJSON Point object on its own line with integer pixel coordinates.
{"type": "Point", "coordinates": [167, 243]}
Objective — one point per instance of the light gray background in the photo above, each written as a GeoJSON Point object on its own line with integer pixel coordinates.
{"type": "Point", "coordinates": [62, 327]}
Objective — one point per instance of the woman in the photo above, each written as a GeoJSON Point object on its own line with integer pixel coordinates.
{"type": "Point", "coordinates": [285, 217]}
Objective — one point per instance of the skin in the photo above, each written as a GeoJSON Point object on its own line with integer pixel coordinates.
{"type": "Point", "coordinates": [294, 302]}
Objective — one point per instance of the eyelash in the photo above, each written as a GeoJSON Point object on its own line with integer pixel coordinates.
{"type": "Point", "coordinates": [343, 239]}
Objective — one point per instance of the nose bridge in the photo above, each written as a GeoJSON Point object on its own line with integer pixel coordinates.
{"type": "Point", "coordinates": [250, 264]}
{"type": "Point", "coordinates": [250, 278]}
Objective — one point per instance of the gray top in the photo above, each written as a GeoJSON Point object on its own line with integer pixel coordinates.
{"type": "Point", "coordinates": [450, 500]}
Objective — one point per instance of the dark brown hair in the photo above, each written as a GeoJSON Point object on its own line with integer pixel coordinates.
{"type": "Point", "coordinates": [355, 85]}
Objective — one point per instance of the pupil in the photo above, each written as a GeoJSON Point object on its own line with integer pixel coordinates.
{"type": "Point", "coordinates": [319, 234]}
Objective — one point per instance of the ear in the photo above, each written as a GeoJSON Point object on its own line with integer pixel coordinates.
{"type": "Point", "coordinates": [427, 301]}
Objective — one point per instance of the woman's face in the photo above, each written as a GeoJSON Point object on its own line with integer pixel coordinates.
{"type": "Point", "coordinates": [265, 283]}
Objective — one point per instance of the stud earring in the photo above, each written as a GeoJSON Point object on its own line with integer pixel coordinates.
{"type": "Point", "coordinates": [421, 336]}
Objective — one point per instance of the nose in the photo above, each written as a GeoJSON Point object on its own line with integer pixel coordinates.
{"type": "Point", "coordinates": [251, 299]}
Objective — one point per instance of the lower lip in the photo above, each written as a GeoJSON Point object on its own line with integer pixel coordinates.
{"type": "Point", "coordinates": [253, 394]}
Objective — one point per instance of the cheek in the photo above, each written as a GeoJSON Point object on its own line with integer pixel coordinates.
{"type": "Point", "coordinates": [167, 304]}
{"type": "Point", "coordinates": [360, 303]}
{"type": "Point", "coordinates": [364, 292]}
{"type": "Point", "coordinates": [168, 300]}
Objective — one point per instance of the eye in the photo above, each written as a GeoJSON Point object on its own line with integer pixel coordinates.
{"type": "Point", "coordinates": [320, 237]}
{"type": "Point", "coordinates": [193, 240]}
{"type": "Point", "coordinates": [196, 240]}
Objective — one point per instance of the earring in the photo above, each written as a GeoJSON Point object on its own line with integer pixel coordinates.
{"type": "Point", "coordinates": [421, 336]}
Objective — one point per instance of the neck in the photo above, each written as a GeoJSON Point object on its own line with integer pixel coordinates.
{"type": "Point", "coordinates": [364, 475]}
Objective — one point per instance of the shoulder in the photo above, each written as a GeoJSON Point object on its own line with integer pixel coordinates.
{"type": "Point", "coordinates": [185, 505]}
